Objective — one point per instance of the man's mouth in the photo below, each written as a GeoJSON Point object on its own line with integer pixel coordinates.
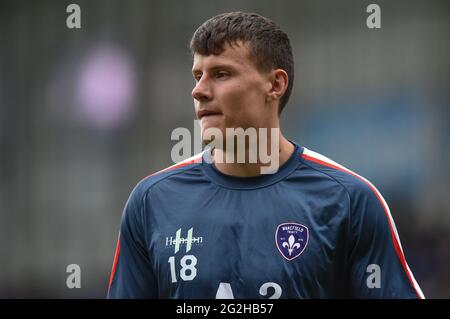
{"type": "Point", "coordinates": [205, 113]}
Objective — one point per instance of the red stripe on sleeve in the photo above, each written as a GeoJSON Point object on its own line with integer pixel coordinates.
{"type": "Point", "coordinates": [396, 244]}
{"type": "Point", "coordinates": [116, 258]}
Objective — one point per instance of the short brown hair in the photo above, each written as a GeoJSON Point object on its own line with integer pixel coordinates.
{"type": "Point", "coordinates": [269, 45]}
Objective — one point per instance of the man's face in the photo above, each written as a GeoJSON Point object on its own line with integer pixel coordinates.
{"type": "Point", "coordinates": [230, 92]}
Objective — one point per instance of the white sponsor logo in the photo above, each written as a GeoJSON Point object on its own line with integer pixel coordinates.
{"type": "Point", "coordinates": [188, 241]}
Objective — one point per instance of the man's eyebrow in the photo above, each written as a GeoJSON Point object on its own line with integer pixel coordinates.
{"type": "Point", "coordinates": [215, 67]}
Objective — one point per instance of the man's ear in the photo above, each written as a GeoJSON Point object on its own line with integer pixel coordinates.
{"type": "Point", "coordinates": [279, 82]}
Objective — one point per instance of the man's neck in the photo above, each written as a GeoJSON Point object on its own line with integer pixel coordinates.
{"type": "Point", "coordinates": [249, 169]}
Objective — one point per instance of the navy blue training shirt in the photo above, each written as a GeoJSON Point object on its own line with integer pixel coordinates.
{"type": "Point", "coordinates": [312, 230]}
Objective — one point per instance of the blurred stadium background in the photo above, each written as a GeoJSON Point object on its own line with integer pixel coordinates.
{"type": "Point", "coordinates": [86, 113]}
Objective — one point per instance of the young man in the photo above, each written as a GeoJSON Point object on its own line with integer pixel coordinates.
{"type": "Point", "coordinates": [207, 228]}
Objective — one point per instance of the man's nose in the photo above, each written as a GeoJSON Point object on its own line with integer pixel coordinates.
{"type": "Point", "coordinates": [202, 90]}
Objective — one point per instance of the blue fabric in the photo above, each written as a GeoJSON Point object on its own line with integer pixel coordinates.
{"type": "Point", "coordinates": [227, 236]}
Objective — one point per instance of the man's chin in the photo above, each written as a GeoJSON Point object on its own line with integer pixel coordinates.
{"type": "Point", "coordinates": [214, 141]}
{"type": "Point", "coordinates": [211, 134]}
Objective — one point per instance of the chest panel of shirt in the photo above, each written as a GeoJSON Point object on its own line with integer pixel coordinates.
{"type": "Point", "coordinates": [233, 240]}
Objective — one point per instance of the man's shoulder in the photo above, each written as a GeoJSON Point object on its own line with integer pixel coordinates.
{"type": "Point", "coordinates": [164, 175]}
{"type": "Point", "coordinates": [336, 173]}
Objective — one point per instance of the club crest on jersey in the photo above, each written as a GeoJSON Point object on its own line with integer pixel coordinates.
{"type": "Point", "coordinates": [291, 239]}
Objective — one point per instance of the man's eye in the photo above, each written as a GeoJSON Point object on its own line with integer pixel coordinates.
{"type": "Point", "coordinates": [221, 74]}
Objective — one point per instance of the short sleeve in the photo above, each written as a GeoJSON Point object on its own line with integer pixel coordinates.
{"type": "Point", "coordinates": [132, 275]}
{"type": "Point", "coordinates": [377, 265]}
